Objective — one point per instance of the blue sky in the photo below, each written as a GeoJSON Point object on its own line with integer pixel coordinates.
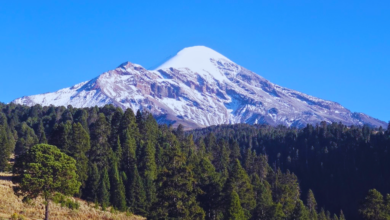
{"type": "Point", "coordinates": [335, 50]}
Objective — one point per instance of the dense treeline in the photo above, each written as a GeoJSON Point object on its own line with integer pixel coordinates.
{"type": "Point", "coordinates": [128, 161]}
{"type": "Point", "coordinates": [339, 163]}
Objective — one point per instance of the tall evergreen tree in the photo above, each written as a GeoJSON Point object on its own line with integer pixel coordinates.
{"type": "Point", "coordinates": [104, 190]}
{"type": "Point", "coordinates": [263, 198]}
{"type": "Point", "coordinates": [239, 181]}
{"type": "Point", "coordinates": [100, 147]}
{"type": "Point", "coordinates": [342, 217]}
{"type": "Point", "coordinates": [210, 183]}
{"type": "Point", "coordinates": [312, 204]}
{"type": "Point", "coordinates": [276, 212]}
{"type": "Point", "coordinates": [128, 124]}
{"type": "Point", "coordinates": [176, 195]}
{"type": "Point", "coordinates": [5, 149]}
{"type": "Point", "coordinates": [135, 192]}
{"type": "Point", "coordinates": [372, 207]}
{"type": "Point", "coordinates": [234, 210]}
{"type": "Point", "coordinates": [322, 215]}
{"type": "Point", "coordinates": [80, 145]}
{"type": "Point", "coordinates": [93, 182]}
{"type": "Point", "coordinates": [147, 162]}
{"type": "Point", "coordinates": [118, 197]}
{"type": "Point", "coordinates": [129, 147]}
{"type": "Point", "coordinates": [300, 212]}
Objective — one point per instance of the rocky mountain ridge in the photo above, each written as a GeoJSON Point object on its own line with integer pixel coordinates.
{"type": "Point", "coordinates": [200, 87]}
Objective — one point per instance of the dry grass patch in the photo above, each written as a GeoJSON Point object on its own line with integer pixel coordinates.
{"type": "Point", "coordinates": [11, 204]}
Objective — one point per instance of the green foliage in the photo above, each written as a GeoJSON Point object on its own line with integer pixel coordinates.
{"type": "Point", "coordinates": [5, 148]}
{"type": "Point", "coordinates": [276, 212]}
{"type": "Point", "coordinates": [132, 163]}
{"type": "Point", "coordinates": [300, 212]}
{"type": "Point", "coordinates": [311, 201]}
{"type": "Point", "coordinates": [17, 216]}
{"type": "Point", "coordinates": [342, 217]}
{"type": "Point", "coordinates": [100, 147]}
{"type": "Point", "coordinates": [263, 196]}
{"type": "Point", "coordinates": [176, 195]}
{"type": "Point", "coordinates": [104, 190]}
{"type": "Point", "coordinates": [373, 206]}
{"type": "Point", "coordinates": [234, 210]}
{"type": "Point", "coordinates": [59, 198]}
{"type": "Point", "coordinates": [118, 197]}
{"type": "Point", "coordinates": [44, 170]}
{"type": "Point", "coordinates": [136, 196]}
{"type": "Point", "coordinates": [92, 190]}
{"type": "Point", "coordinates": [79, 146]}
{"type": "Point", "coordinates": [239, 182]}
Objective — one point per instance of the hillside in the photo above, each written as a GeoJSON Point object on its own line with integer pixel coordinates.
{"type": "Point", "coordinates": [10, 204]}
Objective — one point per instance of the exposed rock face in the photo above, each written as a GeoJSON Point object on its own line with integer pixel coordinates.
{"type": "Point", "coordinates": [200, 87]}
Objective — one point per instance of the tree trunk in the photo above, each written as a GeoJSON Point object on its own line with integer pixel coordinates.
{"type": "Point", "coordinates": [47, 210]}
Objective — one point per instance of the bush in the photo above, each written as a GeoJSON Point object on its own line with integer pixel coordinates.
{"type": "Point", "coordinates": [17, 216]}
{"type": "Point", "coordinates": [59, 198]}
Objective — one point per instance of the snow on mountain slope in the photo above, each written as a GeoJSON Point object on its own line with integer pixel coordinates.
{"type": "Point", "coordinates": [197, 59]}
{"type": "Point", "coordinates": [200, 87]}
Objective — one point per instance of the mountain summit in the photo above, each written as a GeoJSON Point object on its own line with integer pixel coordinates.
{"type": "Point", "coordinates": [197, 59]}
{"type": "Point", "coordinates": [200, 87]}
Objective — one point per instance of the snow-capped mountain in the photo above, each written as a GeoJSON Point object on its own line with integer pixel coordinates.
{"type": "Point", "coordinates": [200, 87]}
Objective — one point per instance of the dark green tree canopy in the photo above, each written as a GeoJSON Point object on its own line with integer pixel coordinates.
{"type": "Point", "coordinates": [44, 170]}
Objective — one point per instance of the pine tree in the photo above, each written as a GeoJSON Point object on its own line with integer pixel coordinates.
{"type": "Point", "coordinates": [115, 127]}
{"type": "Point", "coordinates": [210, 183]}
{"type": "Point", "coordinates": [104, 190]}
{"type": "Point", "coordinates": [263, 198]}
{"type": "Point", "coordinates": [5, 150]}
{"type": "Point", "coordinates": [176, 195]}
{"type": "Point", "coordinates": [148, 171]}
{"type": "Point", "coordinates": [276, 212]}
{"type": "Point", "coordinates": [311, 204]}
{"type": "Point", "coordinates": [60, 137]}
{"type": "Point", "coordinates": [234, 210]}
{"type": "Point", "coordinates": [100, 147]}
{"type": "Point", "coordinates": [26, 138]}
{"type": "Point", "coordinates": [239, 181]}
{"type": "Point", "coordinates": [322, 215]}
{"type": "Point", "coordinates": [43, 171]}
{"type": "Point", "coordinates": [135, 193]}
{"type": "Point", "coordinates": [79, 145]}
{"type": "Point", "coordinates": [328, 215]}
{"type": "Point", "coordinates": [118, 198]}
{"type": "Point", "coordinates": [147, 162]}
{"type": "Point", "coordinates": [81, 116]}
{"type": "Point", "coordinates": [300, 212]}
{"type": "Point", "coordinates": [128, 124]}
{"type": "Point", "coordinates": [342, 217]}
{"type": "Point", "coordinates": [118, 153]}
{"type": "Point", "coordinates": [235, 150]}
{"type": "Point", "coordinates": [372, 207]}
{"type": "Point", "coordinates": [93, 183]}
{"type": "Point", "coordinates": [40, 132]}
{"type": "Point", "coordinates": [129, 159]}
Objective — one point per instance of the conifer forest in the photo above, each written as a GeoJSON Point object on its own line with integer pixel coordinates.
{"type": "Point", "coordinates": [128, 161]}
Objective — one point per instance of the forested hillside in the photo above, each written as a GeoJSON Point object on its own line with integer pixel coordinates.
{"type": "Point", "coordinates": [128, 161]}
{"type": "Point", "coordinates": [339, 163]}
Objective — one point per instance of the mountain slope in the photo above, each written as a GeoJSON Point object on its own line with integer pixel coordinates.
{"type": "Point", "coordinates": [200, 87]}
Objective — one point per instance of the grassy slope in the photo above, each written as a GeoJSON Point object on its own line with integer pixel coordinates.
{"type": "Point", "coordinates": [9, 204]}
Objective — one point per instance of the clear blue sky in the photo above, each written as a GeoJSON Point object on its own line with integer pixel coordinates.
{"type": "Point", "coordinates": [335, 50]}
